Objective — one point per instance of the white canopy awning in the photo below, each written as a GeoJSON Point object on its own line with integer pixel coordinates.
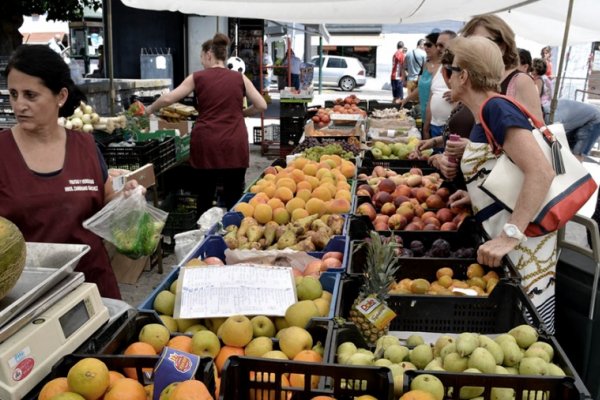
{"type": "Point", "coordinates": [333, 11]}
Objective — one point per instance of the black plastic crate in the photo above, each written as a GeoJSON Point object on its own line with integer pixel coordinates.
{"type": "Point", "coordinates": [291, 109]}
{"type": "Point", "coordinates": [505, 308]}
{"type": "Point", "coordinates": [131, 157]}
{"type": "Point", "coordinates": [166, 155]}
{"type": "Point", "coordinates": [526, 387]}
{"type": "Point", "coordinates": [269, 133]}
{"type": "Point", "coordinates": [205, 372]}
{"type": "Point", "coordinates": [341, 382]}
{"type": "Point", "coordinates": [381, 105]}
{"type": "Point", "coordinates": [182, 214]}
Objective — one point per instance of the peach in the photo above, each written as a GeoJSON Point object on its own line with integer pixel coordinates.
{"type": "Point", "coordinates": [275, 203]}
{"type": "Point", "coordinates": [388, 209]}
{"type": "Point", "coordinates": [378, 171]}
{"type": "Point", "coordinates": [362, 176]}
{"type": "Point", "coordinates": [260, 198]}
{"type": "Point", "coordinates": [367, 188]}
{"type": "Point", "coordinates": [381, 198]}
{"type": "Point", "coordinates": [444, 193]}
{"type": "Point", "coordinates": [431, 221]}
{"type": "Point", "coordinates": [380, 226]}
{"type": "Point", "coordinates": [448, 226]}
{"type": "Point", "coordinates": [386, 185]}
{"type": "Point", "coordinates": [413, 226]}
{"type": "Point", "coordinates": [414, 180]}
{"type": "Point", "coordinates": [333, 254]}
{"type": "Point", "coordinates": [323, 172]}
{"type": "Point", "coordinates": [397, 222]}
{"type": "Point", "coordinates": [297, 175]}
{"type": "Point", "coordinates": [423, 193]}
{"type": "Point", "coordinates": [444, 215]}
{"type": "Point", "coordinates": [348, 169]}
{"type": "Point", "coordinates": [431, 227]}
{"type": "Point", "coordinates": [313, 268]}
{"type": "Point", "coordinates": [406, 211]}
{"type": "Point", "coordinates": [399, 200]}
{"type": "Point", "coordinates": [381, 218]}
{"type": "Point", "coordinates": [270, 170]}
{"type": "Point", "coordinates": [363, 192]}
{"type": "Point", "coordinates": [368, 210]}
{"type": "Point", "coordinates": [416, 171]}
{"type": "Point", "coordinates": [331, 263]}
{"type": "Point", "coordinates": [435, 201]}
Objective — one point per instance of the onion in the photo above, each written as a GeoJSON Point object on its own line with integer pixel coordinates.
{"type": "Point", "coordinates": [68, 125]}
{"type": "Point", "coordinates": [88, 128]}
{"type": "Point", "coordinates": [86, 119]}
{"type": "Point", "coordinates": [78, 113]}
{"type": "Point", "coordinates": [77, 123]}
{"type": "Point", "coordinates": [61, 121]}
{"type": "Point", "coordinates": [87, 109]}
{"type": "Point", "coordinates": [95, 118]}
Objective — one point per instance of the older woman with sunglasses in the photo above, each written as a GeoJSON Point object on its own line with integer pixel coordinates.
{"type": "Point", "coordinates": [475, 76]}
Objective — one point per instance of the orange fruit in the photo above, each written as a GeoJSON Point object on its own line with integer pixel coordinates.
{"type": "Point", "coordinates": [53, 387]}
{"type": "Point", "coordinates": [308, 356]}
{"type": "Point", "coordinates": [417, 395]}
{"type": "Point", "coordinates": [265, 394]}
{"type": "Point", "coordinates": [297, 380]}
{"type": "Point", "coordinates": [114, 376]}
{"type": "Point", "coordinates": [225, 353]}
{"type": "Point", "coordinates": [126, 388]}
{"type": "Point", "coordinates": [89, 377]}
{"type": "Point", "coordinates": [190, 390]}
{"type": "Point", "coordinates": [181, 343]}
{"type": "Point", "coordinates": [138, 349]}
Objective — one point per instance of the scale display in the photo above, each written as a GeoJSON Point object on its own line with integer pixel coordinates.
{"type": "Point", "coordinates": [29, 354]}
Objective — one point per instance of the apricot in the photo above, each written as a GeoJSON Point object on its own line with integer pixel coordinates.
{"type": "Point", "coordinates": [444, 271]}
{"type": "Point", "coordinates": [339, 206]}
{"type": "Point", "coordinates": [263, 213]}
{"type": "Point", "coordinates": [275, 203]}
{"type": "Point", "coordinates": [304, 194]}
{"type": "Point", "coordinates": [348, 169]}
{"type": "Point", "coordinates": [284, 194]}
{"type": "Point", "coordinates": [299, 213]}
{"type": "Point", "coordinates": [269, 190]}
{"type": "Point", "coordinates": [287, 182]}
{"type": "Point", "coordinates": [314, 181]}
{"type": "Point", "coordinates": [297, 175]}
{"type": "Point", "coordinates": [246, 209]}
{"type": "Point", "coordinates": [315, 206]}
{"type": "Point", "coordinates": [294, 203]}
{"type": "Point", "coordinates": [322, 193]}
{"type": "Point", "coordinates": [303, 185]}
{"type": "Point", "coordinates": [323, 172]}
{"type": "Point", "coordinates": [281, 216]}
{"type": "Point", "coordinates": [310, 169]}
{"type": "Point", "coordinates": [300, 162]}
{"type": "Point", "coordinates": [343, 194]}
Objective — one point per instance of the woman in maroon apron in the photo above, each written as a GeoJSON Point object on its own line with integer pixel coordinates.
{"type": "Point", "coordinates": [52, 179]}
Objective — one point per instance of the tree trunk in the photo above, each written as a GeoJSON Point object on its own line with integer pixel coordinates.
{"type": "Point", "coordinates": [10, 37]}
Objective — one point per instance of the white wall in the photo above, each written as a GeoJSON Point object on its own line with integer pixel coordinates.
{"type": "Point", "coordinates": [201, 29]}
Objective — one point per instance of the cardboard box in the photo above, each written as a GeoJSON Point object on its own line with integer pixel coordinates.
{"type": "Point", "coordinates": [184, 127]}
{"type": "Point", "coordinates": [126, 269]}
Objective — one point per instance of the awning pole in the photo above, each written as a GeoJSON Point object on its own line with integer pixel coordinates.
{"type": "Point", "coordinates": [111, 72]}
{"type": "Point", "coordinates": [563, 50]}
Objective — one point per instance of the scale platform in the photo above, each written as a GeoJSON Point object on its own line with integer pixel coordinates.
{"type": "Point", "coordinates": [54, 325]}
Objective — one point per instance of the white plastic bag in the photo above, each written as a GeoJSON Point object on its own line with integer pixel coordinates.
{"type": "Point", "coordinates": [185, 242]}
{"type": "Point", "coordinates": [130, 223]}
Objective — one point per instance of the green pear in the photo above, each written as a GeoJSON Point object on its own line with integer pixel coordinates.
{"type": "Point", "coordinates": [470, 392]}
{"type": "Point", "coordinates": [300, 313]}
{"type": "Point", "coordinates": [407, 365]}
{"type": "Point", "coordinates": [414, 340]}
{"type": "Point", "coordinates": [512, 353]}
{"type": "Point", "coordinates": [383, 343]}
{"type": "Point", "coordinates": [382, 362]}
{"type": "Point", "coordinates": [449, 348]}
{"type": "Point", "coordinates": [547, 348]}
{"type": "Point", "coordinates": [360, 358]}
{"type": "Point", "coordinates": [396, 353]}
{"type": "Point", "coordinates": [156, 335]}
{"type": "Point", "coordinates": [525, 335]}
{"type": "Point", "coordinates": [434, 365]}
{"type": "Point", "coordinates": [505, 336]}
{"type": "Point", "coordinates": [164, 302]}
{"type": "Point", "coordinates": [440, 343]}
{"type": "Point", "coordinates": [195, 328]}
{"type": "Point", "coordinates": [533, 366]}
{"type": "Point", "coordinates": [453, 362]}
{"type": "Point", "coordinates": [429, 383]}
{"type": "Point", "coordinates": [309, 288]}
{"type": "Point", "coordinates": [493, 347]}
{"type": "Point", "coordinates": [512, 370]}
{"type": "Point", "coordinates": [555, 370]}
{"type": "Point", "coordinates": [483, 360]}
{"type": "Point", "coordinates": [466, 342]}
{"type": "Point", "coordinates": [421, 355]}
{"type": "Point", "coordinates": [258, 346]}
{"type": "Point", "coordinates": [537, 352]}
{"type": "Point", "coordinates": [169, 322]}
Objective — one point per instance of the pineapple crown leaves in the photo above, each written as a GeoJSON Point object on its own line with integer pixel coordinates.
{"type": "Point", "coordinates": [380, 265]}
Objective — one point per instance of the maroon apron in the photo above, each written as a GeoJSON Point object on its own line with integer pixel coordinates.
{"type": "Point", "coordinates": [51, 209]}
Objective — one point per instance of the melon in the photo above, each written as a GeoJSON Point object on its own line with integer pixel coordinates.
{"type": "Point", "coordinates": [12, 255]}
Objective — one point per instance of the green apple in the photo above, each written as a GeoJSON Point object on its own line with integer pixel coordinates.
{"type": "Point", "coordinates": [309, 288]}
{"type": "Point", "coordinates": [205, 344]}
{"type": "Point", "coordinates": [195, 328]}
{"type": "Point", "coordinates": [169, 322]}
{"type": "Point", "coordinates": [156, 335]}
{"type": "Point", "coordinates": [164, 302]}
{"type": "Point", "coordinates": [300, 313]}
{"type": "Point", "coordinates": [386, 150]}
{"type": "Point", "coordinates": [236, 331]}
{"type": "Point", "coordinates": [378, 145]}
{"type": "Point", "coordinates": [377, 153]}
{"type": "Point", "coordinates": [275, 354]}
{"type": "Point", "coordinates": [184, 324]}
{"type": "Point", "coordinates": [262, 326]}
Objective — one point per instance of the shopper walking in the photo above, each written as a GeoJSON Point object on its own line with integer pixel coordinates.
{"type": "Point", "coordinates": [219, 144]}
{"type": "Point", "coordinates": [398, 72]}
{"type": "Point", "coordinates": [414, 62]}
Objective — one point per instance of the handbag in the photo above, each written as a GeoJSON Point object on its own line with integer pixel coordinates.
{"type": "Point", "coordinates": [570, 189]}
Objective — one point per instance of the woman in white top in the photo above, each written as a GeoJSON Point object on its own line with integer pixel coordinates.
{"type": "Point", "coordinates": [438, 108]}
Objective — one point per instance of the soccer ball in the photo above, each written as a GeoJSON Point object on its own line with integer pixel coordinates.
{"type": "Point", "coordinates": [236, 64]}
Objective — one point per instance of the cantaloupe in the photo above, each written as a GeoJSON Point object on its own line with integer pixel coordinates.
{"type": "Point", "coordinates": [12, 255]}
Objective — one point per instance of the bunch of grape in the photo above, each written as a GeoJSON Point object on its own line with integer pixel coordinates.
{"type": "Point", "coordinates": [315, 153]}
{"type": "Point", "coordinates": [330, 147]}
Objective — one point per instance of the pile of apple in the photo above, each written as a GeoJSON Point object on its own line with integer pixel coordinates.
{"type": "Point", "coordinates": [399, 151]}
{"type": "Point", "coordinates": [85, 119]}
{"type": "Point", "coordinates": [410, 201]}
{"type": "Point", "coordinates": [481, 283]}
{"type": "Point", "coordinates": [517, 352]}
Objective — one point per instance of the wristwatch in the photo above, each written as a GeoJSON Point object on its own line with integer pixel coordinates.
{"type": "Point", "coordinates": [512, 231]}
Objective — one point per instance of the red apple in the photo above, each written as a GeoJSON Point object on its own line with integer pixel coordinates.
{"type": "Point", "coordinates": [386, 185]}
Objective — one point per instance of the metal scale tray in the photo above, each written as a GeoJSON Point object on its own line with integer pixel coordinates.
{"type": "Point", "coordinates": [46, 265]}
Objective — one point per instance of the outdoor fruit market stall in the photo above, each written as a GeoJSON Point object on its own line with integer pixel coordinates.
{"type": "Point", "coordinates": [337, 275]}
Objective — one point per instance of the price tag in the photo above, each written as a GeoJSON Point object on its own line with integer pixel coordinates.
{"type": "Point", "coordinates": [376, 312]}
{"type": "Point", "coordinates": [391, 132]}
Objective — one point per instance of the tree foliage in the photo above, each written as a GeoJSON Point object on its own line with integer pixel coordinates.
{"type": "Point", "coordinates": [12, 11]}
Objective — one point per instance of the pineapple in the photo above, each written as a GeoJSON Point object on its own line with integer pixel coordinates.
{"type": "Point", "coordinates": [378, 278]}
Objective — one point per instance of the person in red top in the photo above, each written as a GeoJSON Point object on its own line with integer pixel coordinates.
{"type": "Point", "coordinates": [547, 56]}
{"type": "Point", "coordinates": [53, 179]}
{"type": "Point", "coordinates": [219, 144]}
{"type": "Point", "coordinates": [398, 72]}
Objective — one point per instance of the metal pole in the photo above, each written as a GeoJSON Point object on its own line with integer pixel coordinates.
{"type": "Point", "coordinates": [320, 63]}
{"type": "Point", "coordinates": [109, 50]}
{"type": "Point", "coordinates": [562, 59]}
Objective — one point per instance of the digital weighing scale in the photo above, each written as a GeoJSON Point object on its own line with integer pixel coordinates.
{"type": "Point", "coordinates": [53, 326]}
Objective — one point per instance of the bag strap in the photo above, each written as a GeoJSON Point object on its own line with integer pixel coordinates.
{"type": "Point", "coordinates": [549, 137]}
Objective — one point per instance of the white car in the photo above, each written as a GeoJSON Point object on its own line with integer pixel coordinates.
{"type": "Point", "coordinates": [345, 72]}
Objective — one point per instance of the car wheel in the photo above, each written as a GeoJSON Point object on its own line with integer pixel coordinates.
{"type": "Point", "coordinates": [347, 83]}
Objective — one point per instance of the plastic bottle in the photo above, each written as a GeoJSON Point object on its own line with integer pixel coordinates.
{"type": "Point", "coordinates": [453, 138]}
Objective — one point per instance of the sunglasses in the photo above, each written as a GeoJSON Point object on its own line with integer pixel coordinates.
{"type": "Point", "coordinates": [428, 44]}
{"type": "Point", "coordinates": [451, 68]}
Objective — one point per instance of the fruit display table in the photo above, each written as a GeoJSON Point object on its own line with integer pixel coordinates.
{"type": "Point", "coordinates": [388, 299]}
